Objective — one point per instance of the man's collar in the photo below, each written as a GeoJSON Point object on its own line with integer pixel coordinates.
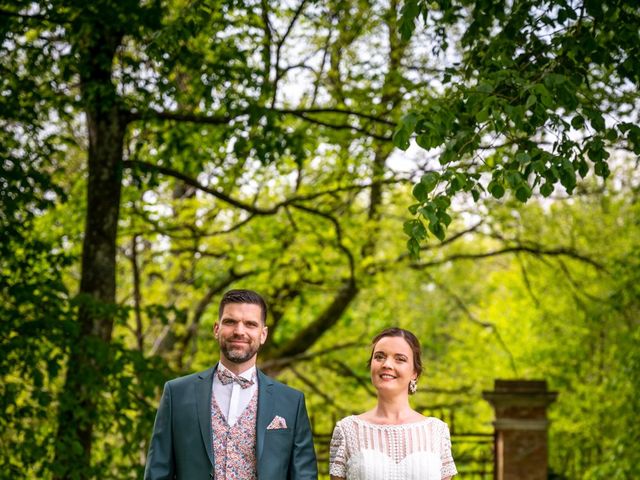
{"type": "Point", "coordinates": [248, 373]}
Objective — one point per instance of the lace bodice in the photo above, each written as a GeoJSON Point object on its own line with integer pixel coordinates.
{"type": "Point", "coordinates": [415, 451]}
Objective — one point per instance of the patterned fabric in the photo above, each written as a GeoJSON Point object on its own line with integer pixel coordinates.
{"type": "Point", "coordinates": [415, 451]}
{"type": "Point", "coordinates": [277, 423]}
{"type": "Point", "coordinates": [226, 377]}
{"type": "Point", "coordinates": [234, 447]}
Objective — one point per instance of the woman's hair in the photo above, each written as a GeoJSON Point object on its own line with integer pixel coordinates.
{"type": "Point", "coordinates": [409, 337]}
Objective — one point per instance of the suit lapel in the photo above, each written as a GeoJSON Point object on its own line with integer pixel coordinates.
{"type": "Point", "coordinates": [203, 403]}
{"type": "Point", "coordinates": [265, 411]}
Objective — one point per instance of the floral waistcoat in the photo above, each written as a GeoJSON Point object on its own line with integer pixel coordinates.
{"type": "Point", "coordinates": [234, 447]}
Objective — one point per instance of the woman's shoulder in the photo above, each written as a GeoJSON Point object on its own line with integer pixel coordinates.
{"type": "Point", "coordinates": [435, 421]}
{"type": "Point", "coordinates": [346, 421]}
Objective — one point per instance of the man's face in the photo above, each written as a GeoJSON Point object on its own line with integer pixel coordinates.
{"type": "Point", "coordinates": [240, 332]}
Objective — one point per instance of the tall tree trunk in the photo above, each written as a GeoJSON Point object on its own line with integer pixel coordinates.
{"type": "Point", "coordinates": [89, 356]}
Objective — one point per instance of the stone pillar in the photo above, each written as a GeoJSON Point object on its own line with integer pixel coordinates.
{"type": "Point", "coordinates": [520, 428]}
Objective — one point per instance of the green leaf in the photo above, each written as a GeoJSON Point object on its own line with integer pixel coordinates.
{"type": "Point", "coordinates": [420, 192]}
{"type": "Point", "coordinates": [420, 232]}
{"type": "Point", "coordinates": [495, 189]}
{"type": "Point", "coordinates": [401, 138]}
{"type": "Point", "coordinates": [409, 121]}
{"type": "Point", "coordinates": [611, 134]}
{"type": "Point", "coordinates": [577, 122]}
{"type": "Point", "coordinates": [597, 120]}
{"type": "Point", "coordinates": [438, 230]}
{"type": "Point", "coordinates": [554, 80]}
{"type": "Point", "coordinates": [523, 157]}
{"type": "Point", "coordinates": [414, 248]}
{"type": "Point", "coordinates": [415, 229]}
{"type": "Point", "coordinates": [409, 13]}
{"type": "Point", "coordinates": [546, 189]}
{"type": "Point", "coordinates": [430, 180]}
{"type": "Point", "coordinates": [426, 141]}
{"type": "Point", "coordinates": [523, 192]}
{"type": "Point", "coordinates": [442, 202]}
{"type": "Point", "coordinates": [581, 166]}
{"type": "Point", "coordinates": [444, 217]}
{"type": "Point", "coordinates": [483, 115]}
{"type": "Point", "coordinates": [429, 213]}
{"type": "Point", "coordinates": [531, 101]}
{"type": "Point", "coordinates": [514, 178]}
{"type": "Point", "coordinates": [485, 87]}
{"type": "Point", "coordinates": [601, 169]}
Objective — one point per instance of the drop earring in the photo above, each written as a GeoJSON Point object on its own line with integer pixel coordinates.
{"type": "Point", "coordinates": [413, 386]}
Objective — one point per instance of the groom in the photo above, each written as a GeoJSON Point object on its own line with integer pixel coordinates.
{"type": "Point", "coordinates": [232, 422]}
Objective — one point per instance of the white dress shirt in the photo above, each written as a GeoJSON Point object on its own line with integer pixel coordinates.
{"type": "Point", "coordinates": [232, 398]}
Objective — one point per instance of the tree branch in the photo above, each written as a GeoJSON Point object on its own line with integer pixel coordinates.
{"type": "Point", "coordinates": [137, 296]}
{"type": "Point", "coordinates": [461, 305]}
{"type": "Point", "coordinates": [279, 45]}
{"type": "Point", "coordinates": [450, 239]}
{"type": "Point", "coordinates": [338, 230]}
{"type": "Point", "coordinates": [194, 183]}
{"type": "Point", "coordinates": [252, 209]}
{"type": "Point", "coordinates": [327, 319]}
{"type": "Point", "coordinates": [298, 111]}
{"type": "Point", "coordinates": [532, 250]}
{"type": "Point", "coordinates": [314, 388]}
{"type": "Point", "coordinates": [184, 117]}
{"type": "Point", "coordinates": [191, 117]}
{"type": "Point", "coordinates": [279, 363]}
{"type": "Point", "coordinates": [201, 307]}
{"type": "Point", "coordinates": [342, 126]}
{"type": "Point", "coordinates": [346, 371]}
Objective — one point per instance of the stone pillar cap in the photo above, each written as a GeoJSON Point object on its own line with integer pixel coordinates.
{"type": "Point", "coordinates": [520, 393]}
{"type": "Point", "coordinates": [520, 385]}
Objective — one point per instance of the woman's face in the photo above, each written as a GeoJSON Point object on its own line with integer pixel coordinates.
{"type": "Point", "coordinates": [392, 366]}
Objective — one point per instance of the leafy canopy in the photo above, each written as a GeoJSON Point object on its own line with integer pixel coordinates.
{"type": "Point", "coordinates": [535, 94]}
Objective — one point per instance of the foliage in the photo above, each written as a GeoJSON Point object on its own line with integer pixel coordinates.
{"type": "Point", "coordinates": [248, 144]}
{"type": "Point", "coordinates": [534, 95]}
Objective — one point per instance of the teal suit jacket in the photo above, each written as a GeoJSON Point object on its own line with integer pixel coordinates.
{"type": "Point", "coordinates": [181, 444]}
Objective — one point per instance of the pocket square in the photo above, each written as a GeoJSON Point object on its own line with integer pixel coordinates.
{"type": "Point", "coordinates": [277, 423]}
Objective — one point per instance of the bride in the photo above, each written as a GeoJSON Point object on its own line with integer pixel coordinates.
{"type": "Point", "coordinates": [392, 441]}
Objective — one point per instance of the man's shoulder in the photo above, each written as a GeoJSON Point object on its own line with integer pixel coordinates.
{"type": "Point", "coordinates": [282, 389]}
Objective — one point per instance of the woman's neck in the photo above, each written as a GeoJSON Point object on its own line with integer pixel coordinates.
{"type": "Point", "coordinates": [393, 410]}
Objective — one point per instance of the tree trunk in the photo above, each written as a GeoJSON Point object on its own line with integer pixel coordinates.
{"type": "Point", "coordinates": [89, 355]}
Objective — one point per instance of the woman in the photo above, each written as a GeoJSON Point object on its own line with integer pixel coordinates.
{"type": "Point", "coordinates": [392, 441]}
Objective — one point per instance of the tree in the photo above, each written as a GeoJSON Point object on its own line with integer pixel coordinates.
{"type": "Point", "coordinates": [534, 94]}
{"type": "Point", "coordinates": [207, 165]}
{"type": "Point", "coordinates": [135, 70]}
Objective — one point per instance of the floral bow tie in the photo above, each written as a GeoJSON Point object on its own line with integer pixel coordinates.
{"type": "Point", "coordinates": [227, 377]}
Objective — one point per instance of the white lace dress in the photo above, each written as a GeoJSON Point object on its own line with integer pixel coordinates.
{"type": "Point", "coordinates": [415, 451]}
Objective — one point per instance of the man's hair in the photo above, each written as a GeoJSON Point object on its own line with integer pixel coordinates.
{"type": "Point", "coordinates": [243, 296]}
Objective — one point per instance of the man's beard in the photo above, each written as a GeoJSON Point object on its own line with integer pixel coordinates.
{"type": "Point", "coordinates": [238, 355]}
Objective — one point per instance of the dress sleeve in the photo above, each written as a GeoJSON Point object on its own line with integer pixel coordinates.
{"type": "Point", "coordinates": [338, 453]}
{"type": "Point", "coordinates": [448, 467]}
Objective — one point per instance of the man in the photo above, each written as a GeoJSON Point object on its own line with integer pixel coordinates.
{"type": "Point", "coordinates": [232, 422]}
